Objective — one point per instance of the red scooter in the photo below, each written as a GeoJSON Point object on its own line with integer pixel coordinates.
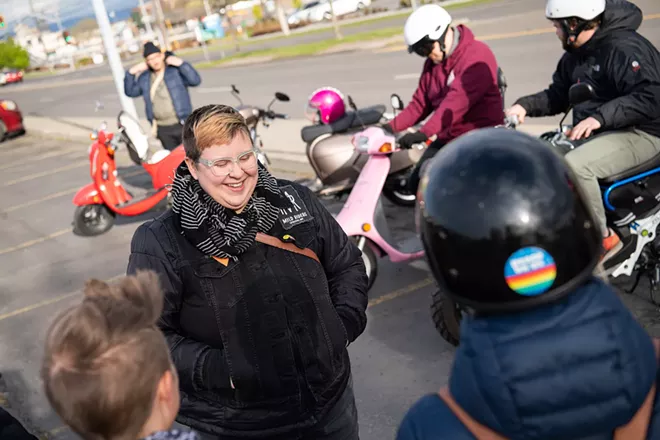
{"type": "Point", "coordinates": [98, 203]}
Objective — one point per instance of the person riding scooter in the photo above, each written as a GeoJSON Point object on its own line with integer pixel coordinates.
{"type": "Point", "coordinates": [547, 350]}
{"type": "Point", "coordinates": [458, 84]}
{"type": "Point", "coordinates": [604, 50]}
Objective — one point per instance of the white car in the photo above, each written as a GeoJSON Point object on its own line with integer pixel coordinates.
{"type": "Point", "coordinates": [340, 7]}
{"type": "Point", "coordinates": [302, 14]}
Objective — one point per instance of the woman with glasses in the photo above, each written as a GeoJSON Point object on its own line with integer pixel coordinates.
{"type": "Point", "coordinates": [263, 293]}
{"type": "Point", "coordinates": [458, 84]}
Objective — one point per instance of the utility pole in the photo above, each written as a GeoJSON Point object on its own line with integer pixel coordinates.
{"type": "Point", "coordinates": [114, 61]}
{"type": "Point", "coordinates": [207, 8]}
{"type": "Point", "coordinates": [145, 20]}
{"type": "Point", "coordinates": [36, 20]}
{"type": "Point", "coordinates": [58, 18]}
{"type": "Point", "coordinates": [161, 23]}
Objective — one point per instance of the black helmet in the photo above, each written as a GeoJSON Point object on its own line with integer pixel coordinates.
{"type": "Point", "coordinates": [503, 222]}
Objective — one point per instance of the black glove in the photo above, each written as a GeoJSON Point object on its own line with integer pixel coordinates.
{"type": "Point", "coordinates": [409, 139]}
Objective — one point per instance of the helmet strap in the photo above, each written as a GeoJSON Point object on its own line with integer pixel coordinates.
{"type": "Point", "coordinates": [441, 42]}
{"type": "Point", "coordinates": [572, 34]}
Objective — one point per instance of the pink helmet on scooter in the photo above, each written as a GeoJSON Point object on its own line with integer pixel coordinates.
{"type": "Point", "coordinates": [325, 105]}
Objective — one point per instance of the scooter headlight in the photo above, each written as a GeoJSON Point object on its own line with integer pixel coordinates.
{"type": "Point", "coordinates": [361, 143]}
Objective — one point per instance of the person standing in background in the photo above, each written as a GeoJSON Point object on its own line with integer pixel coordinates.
{"type": "Point", "coordinates": [163, 80]}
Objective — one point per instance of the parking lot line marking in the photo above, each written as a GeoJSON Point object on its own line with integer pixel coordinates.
{"type": "Point", "coordinates": [44, 173]}
{"type": "Point", "coordinates": [49, 155]}
{"type": "Point", "coordinates": [387, 297]}
{"type": "Point", "coordinates": [407, 76]}
{"type": "Point", "coordinates": [57, 194]}
{"type": "Point", "coordinates": [38, 305]}
{"type": "Point", "coordinates": [43, 199]}
{"type": "Point", "coordinates": [29, 243]}
{"type": "Point", "coordinates": [410, 288]}
{"type": "Point", "coordinates": [49, 301]}
{"type": "Point", "coordinates": [212, 89]}
{"type": "Point", "coordinates": [58, 430]}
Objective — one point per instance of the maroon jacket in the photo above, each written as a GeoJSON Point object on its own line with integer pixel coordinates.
{"type": "Point", "coordinates": [462, 90]}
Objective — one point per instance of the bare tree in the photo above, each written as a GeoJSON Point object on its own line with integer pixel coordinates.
{"type": "Point", "coordinates": [284, 24]}
{"type": "Point", "coordinates": [335, 25]}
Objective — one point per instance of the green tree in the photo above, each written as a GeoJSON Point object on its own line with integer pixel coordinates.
{"type": "Point", "coordinates": [136, 16]}
{"type": "Point", "coordinates": [13, 56]}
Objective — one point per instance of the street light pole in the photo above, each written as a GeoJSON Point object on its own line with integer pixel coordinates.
{"type": "Point", "coordinates": [116, 66]}
{"type": "Point", "coordinates": [147, 22]}
{"type": "Point", "coordinates": [161, 23]}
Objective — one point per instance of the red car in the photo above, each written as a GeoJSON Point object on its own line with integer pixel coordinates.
{"type": "Point", "coordinates": [12, 76]}
{"type": "Point", "coordinates": [11, 119]}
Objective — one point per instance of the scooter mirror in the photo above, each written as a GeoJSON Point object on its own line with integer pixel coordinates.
{"type": "Point", "coordinates": [282, 97]}
{"type": "Point", "coordinates": [396, 102]}
{"type": "Point", "coordinates": [351, 103]}
{"type": "Point", "coordinates": [234, 89]}
{"type": "Point", "coordinates": [579, 93]}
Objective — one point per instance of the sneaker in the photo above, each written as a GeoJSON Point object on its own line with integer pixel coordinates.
{"type": "Point", "coordinates": [611, 245]}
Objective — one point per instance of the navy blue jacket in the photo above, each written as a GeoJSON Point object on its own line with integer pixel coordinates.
{"type": "Point", "coordinates": [577, 369]}
{"type": "Point", "coordinates": [177, 79]}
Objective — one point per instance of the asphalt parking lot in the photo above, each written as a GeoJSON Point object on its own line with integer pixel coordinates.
{"type": "Point", "coordinates": [399, 357]}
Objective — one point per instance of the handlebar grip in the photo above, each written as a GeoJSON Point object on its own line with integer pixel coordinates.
{"type": "Point", "coordinates": [512, 120]}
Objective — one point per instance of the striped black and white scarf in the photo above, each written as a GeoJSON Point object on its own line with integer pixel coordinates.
{"type": "Point", "coordinates": [216, 230]}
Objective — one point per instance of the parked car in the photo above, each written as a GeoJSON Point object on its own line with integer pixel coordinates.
{"type": "Point", "coordinates": [302, 14]}
{"type": "Point", "coordinates": [340, 7]}
{"type": "Point", "coordinates": [11, 76]}
{"type": "Point", "coordinates": [11, 119]}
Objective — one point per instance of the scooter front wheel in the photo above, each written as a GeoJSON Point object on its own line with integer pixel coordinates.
{"type": "Point", "coordinates": [446, 317]}
{"type": "Point", "coordinates": [400, 197]}
{"type": "Point", "coordinates": [370, 262]}
{"type": "Point", "coordinates": [396, 189]}
{"type": "Point", "coordinates": [91, 220]}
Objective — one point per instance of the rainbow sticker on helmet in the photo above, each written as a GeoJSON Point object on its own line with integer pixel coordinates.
{"type": "Point", "coordinates": [530, 271]}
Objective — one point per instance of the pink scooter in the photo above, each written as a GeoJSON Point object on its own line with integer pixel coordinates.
{"type": "Point", "coordinates": [362, 216]}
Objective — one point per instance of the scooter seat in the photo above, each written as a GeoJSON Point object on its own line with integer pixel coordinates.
{"type": "Point", "coordinates": [158, 156]}
{"type": "Point", "coordinates": [654, 162]}
{"type": "Point", "coordinates": [364, 116]}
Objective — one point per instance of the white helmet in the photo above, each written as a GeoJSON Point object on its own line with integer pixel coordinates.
{"type": "Point", "coordinates": [427, 23]}
{"type": "Point", "coordinates": [584, 9]}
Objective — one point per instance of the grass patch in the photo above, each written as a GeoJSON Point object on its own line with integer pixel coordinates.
{"type": "Point", "coordinates": [307, 49]}
{"type": "Point", "coordinates": [227, 43]}
{"type": "Point", "coordinates": [39, 74]}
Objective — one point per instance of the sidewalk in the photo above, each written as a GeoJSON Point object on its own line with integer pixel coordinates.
{"type": "Point", "coordinates": [281, 140]}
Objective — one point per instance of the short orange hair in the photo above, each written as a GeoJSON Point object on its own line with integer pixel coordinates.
{"type": "Point", "coordinates": [104, 358]}
{"type": "Point", "coordinates": [210, 125]}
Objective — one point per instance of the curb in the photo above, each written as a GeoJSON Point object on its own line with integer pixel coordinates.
{"type": "Point", "coordinates": [58, 136]}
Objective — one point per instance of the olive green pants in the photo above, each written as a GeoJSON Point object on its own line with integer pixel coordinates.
{"type": "Point", "coordinates": [608, 155]}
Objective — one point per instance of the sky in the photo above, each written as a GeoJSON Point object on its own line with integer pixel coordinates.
{"type": "Point", "coordinates": [13, 10]}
